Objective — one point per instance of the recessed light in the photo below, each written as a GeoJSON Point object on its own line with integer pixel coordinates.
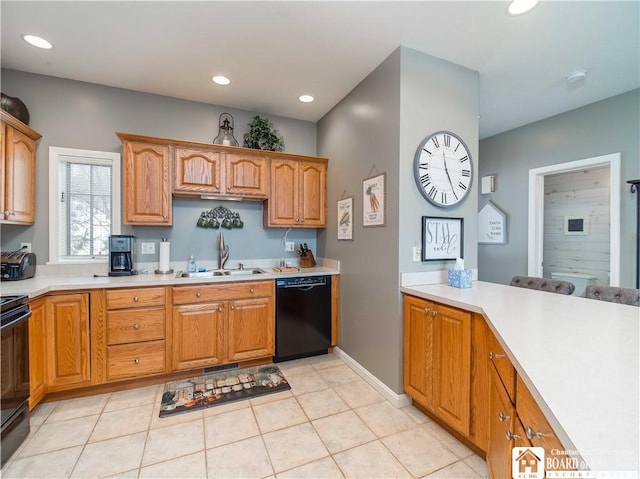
{"type": "Point", "coordinates": [306, 98]}
{"type": "Point", "coordinates": [37, 41]}
{"type": "Point", "coordinates": [220, 80]}
{"type": "Point", "coordinates": [518, 7]}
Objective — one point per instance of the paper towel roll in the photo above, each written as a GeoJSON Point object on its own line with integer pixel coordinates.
{"type": "Point", "coordinates": [165, 254]}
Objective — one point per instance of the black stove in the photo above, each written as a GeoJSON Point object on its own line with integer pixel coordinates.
{"type": "Point", "coordinates": [14, 401]}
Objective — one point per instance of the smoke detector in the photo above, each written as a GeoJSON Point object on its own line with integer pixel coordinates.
{"type": "Point", "coordinates": [576, 77]}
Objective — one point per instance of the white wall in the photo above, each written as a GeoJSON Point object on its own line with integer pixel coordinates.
{"type": "Point", "coordinates": [582, 193]}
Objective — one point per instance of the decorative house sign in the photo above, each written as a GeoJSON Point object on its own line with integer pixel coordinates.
{"type": "Point", "coordinates": [492, 225]}
{"type": "Point", "coordinates": [220, 217]}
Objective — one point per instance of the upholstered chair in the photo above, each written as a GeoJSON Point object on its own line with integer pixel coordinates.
{"type": "Point", "coordinates": [613, 294]}
{"type": "Point", "coordinates": [543, 284]}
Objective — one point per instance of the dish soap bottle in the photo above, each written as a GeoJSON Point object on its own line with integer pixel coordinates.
{"type": "Point", "coordinates": [191, 264]}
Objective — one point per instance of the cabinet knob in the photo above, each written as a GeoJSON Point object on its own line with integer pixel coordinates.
{"type": "Point", "coordinates": [232, 307]}
{"type": "Point", "coordinates": [136, 326]}
{"type": "Point", "coordinates": [503, 417]}
{"type": "Point", "coordinates": [136, 361]}
{"type": "Point", "coordinates": [198, 294]}
{"type": "Point", "coordinates": [433, 312]}
{"type": "Point", "coordinates": [531, 433]}
{"type": "Point", "coordinates": [493, 355]}
{"type": "Point", "coordinates": [135, 299]}
{"type": "Point", "coordinates": [164, 217]}
{"type": "Point", "coordinates": [427, 310]}
{"type": "Point", "coordinates": [511, 435]}
{"type": "Point", "coordinates": [220, 309]}
{"type": "Point", "coordinates": [251, 290]}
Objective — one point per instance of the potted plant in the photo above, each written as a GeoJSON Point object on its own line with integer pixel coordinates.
{"type": "Point", "coordinates": [263, 136]}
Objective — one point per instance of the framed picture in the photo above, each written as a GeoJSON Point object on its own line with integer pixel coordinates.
{"type": "Point", "coordinates": [373, 199]}
{"type": "Point", "coordinates": [345, 219]}
{"type": "Point", "coordinates": [442, 238]}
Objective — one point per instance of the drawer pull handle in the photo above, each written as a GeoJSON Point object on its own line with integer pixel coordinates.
{"type": "Point", "coordinates": [251, 290]}
{"type": "Point", "coordinates": [493, 355]}
{"type": "Point", "coordinates": [503, 417]}
{"type": "Point", "coordinates": [135, 299]}
{"type": "Point", "coordinates": [136, 326]}
{"type": "Point", "coordinates": [510, 435]}
{"type": "Point", "coordinates": [136, 361]}
{"type": "Point", "coordinates": [531, 433]}
{"type": "Point", "coordinates": [198, 295]}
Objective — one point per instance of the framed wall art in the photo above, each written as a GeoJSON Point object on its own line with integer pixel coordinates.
{"type": "Point", "coordinates": [442, 238]}
{"type": "Point", "coordinates": [373, 199]}
{"type": "Point", "coordinates": [345, 219]}
{"type": "Point", "coordinates": [492, 225]}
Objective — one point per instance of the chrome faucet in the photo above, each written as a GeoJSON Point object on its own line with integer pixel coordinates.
{"type": "Point", "coordinates": [223, 252]}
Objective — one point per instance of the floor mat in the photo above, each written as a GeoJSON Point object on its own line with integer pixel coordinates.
{"type": "Point", "coordinates": [221, 388]}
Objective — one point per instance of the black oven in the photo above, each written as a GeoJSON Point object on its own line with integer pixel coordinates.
{"type": "Point", "coordinates": [14, 351]}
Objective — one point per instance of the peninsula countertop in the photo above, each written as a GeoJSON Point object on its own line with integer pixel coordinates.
{"type": "Point", "coordinates": [43, 284]}
{"type": "Point", "coordinates": [578, 357]}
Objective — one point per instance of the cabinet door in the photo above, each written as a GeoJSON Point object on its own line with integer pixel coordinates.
{"type": "Point", "coordinates": [501, 423]}
{"type": "Point", "coordinates": [283, 197]}
{"type": "Point", "coordinates": [67, 336]}
{"type": "Point", "coordinates": [197, 171]}
{"type": "Point", "coordinates": [452, 366]}
{"type": "Point", "coordinates": [312, 199]}
{"type": "Point", "coordinates": [418, 350]}
{"type": "Point", "coordinates": [146, 184]}
{"type": "Point", "coordinates": [198, 335]}
{"type": "Point", "coordinates": [246, 176]}
{"type": "Point", "coordinates": [251, 329]}
{"type": "Point", "coordinates": [19, 177]}
{"type": "Point", "coordinates": [37, 377]}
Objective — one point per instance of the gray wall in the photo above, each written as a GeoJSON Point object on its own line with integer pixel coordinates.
{"type": "Point", "coordinates": [73, 114]}
{"type": "Point", "coordinates": [380, 123]}
{"type": "Point", "coordinates": [608, 126]}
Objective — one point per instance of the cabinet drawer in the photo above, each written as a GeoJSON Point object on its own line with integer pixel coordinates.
{"type": "Point", "coordinates": [141, 324]}
{"type": "Point", "coordinates": [135, 360]}
{"type": "Point", "coordinates": [536, 427]}
{"type": "Point", "coordinates": [221, 292]}
{"type": "Point", "coordinates": [502, 363]}
{"type": "Point", "coordinates": [134, 298]}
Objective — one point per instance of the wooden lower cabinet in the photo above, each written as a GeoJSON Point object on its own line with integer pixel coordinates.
{"type": "Point", "coordinates": [221, 323]}
{"type": "Point", "coordinates": [502, 419]}
{"type": "Point", "coordinates": [198, 335]}
{"type": "Point", "coordinates": [37, 352]}
{"type": "Point", "coordinates": [437, 360]}
{"type": "Point", "coordinates": [67, 341]}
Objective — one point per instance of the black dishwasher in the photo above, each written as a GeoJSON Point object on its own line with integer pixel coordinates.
{"type": "Point", "coordinates": [303, 317]}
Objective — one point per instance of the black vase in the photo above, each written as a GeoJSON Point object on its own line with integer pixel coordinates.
{"type": "Point", "coordinates": [15, 107]}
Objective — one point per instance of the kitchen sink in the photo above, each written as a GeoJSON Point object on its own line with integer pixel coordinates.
{"type": "Point", "coordinates": [220, 272]}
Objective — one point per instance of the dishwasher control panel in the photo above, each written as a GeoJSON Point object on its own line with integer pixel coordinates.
{"type": "Point", "coordinates": [301, 281]}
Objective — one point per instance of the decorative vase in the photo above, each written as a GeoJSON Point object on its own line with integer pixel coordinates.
{"type": "Point", "coordinates": [15, 107]}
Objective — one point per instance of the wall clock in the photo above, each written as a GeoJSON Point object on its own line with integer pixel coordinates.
{"type": "Point", "coordinates": [442, 169]}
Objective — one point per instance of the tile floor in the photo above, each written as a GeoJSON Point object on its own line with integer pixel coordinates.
{"type": "Point", "coordinates": [331, 424]}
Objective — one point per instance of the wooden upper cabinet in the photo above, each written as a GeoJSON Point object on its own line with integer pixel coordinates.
{"type": "Point", "coordinates": [298, 194]}
{"type": "Point", "coordinates": [146, 184]}
{"type": "Point", "coordinates": [197, 171]}
{"type": "Point", "coordinates": [18, 171]}
{"type": "Point", "coordinates": [246, 175]}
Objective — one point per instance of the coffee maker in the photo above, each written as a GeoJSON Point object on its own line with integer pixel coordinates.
{"type": "Point", "coordinates": [121, 253]}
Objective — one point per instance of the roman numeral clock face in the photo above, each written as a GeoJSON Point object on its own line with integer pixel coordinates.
{"type": "Point", "coordinates": [442, 169]}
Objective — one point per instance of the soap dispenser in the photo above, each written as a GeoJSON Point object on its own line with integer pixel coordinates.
{"type": "Point", "coordinates": [191, 264]}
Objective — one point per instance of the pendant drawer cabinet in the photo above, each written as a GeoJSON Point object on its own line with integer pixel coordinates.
{"type": "Point", "coordinates": [17, 171]}
{"type": "Point", "coordinates": [129, 334]}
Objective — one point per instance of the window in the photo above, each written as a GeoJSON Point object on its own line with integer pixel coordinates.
{"type": "Point", "coordinates": [84, 204]}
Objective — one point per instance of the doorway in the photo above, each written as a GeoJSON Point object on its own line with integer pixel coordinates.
{"type": "Point", "coordinates": [536, 210]}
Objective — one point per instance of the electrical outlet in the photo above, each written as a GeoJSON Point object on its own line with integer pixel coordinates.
{"type": "Point", "coordinates": [147, 248]}
{"type": "Point", "coordinates": [289, 246]}
{"type": "Point", "coordinates": [417, 252]}
{"type": "Point", "coordinates": [28, 247]}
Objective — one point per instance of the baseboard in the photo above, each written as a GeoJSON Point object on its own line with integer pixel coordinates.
{"type": "Point", "coordinates": [398, 400]}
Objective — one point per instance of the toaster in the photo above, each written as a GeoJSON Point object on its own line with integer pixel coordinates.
{"type": "Point", "coordinates": [17, 265]}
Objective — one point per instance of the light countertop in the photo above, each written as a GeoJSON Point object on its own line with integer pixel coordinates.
{"type": "Point", "coordinates": [578, 357]}
{"type": "Point", "coordinates": [43, 284]}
